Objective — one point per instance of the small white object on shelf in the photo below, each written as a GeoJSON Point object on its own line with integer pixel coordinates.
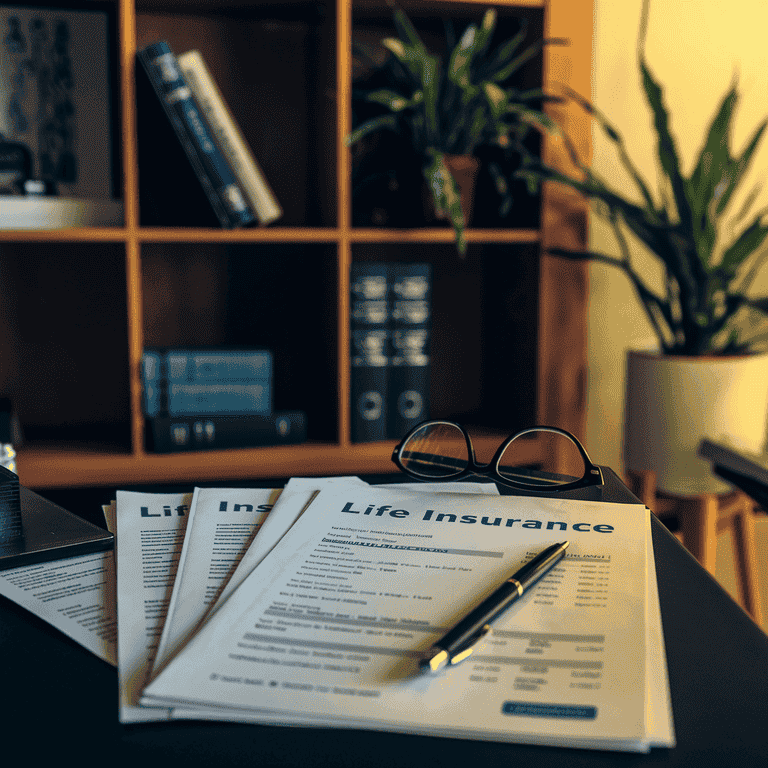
{"type": "Point", "coordinates": [36, 212]}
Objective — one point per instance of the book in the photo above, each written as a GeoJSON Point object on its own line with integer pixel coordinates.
{"type": "Point", "coordinates": [410, 328]}
{"type": "Point", "coordinates": [45, 531]}
{"type": "Point", "coordinates": [744, 469]}
{"type": "Point", "coordinates": [229, 137]}
{"type": "Point", "coordinates": [207, 365]}
{"type": "Point", "coordinates": [206, 382]}
{"type": "Point", "coordinates": [194, 399]}
{"type": "Point", "coordinates": [166, 187]}
{"type": "Point", "coordinates": [167, 434]}
{"type": "Point", "coordinates": [10, 434]}
{"type": "Point", "coordinates": [369, 354]}
{"type": "Point", "coordinates": [10, 506]}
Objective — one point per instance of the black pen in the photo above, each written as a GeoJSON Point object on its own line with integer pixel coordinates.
{"type": "Point", "coordinates": [457, 644]}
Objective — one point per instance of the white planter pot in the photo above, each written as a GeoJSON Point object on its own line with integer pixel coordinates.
{"type": "Point", "coordinates": [674, 402]}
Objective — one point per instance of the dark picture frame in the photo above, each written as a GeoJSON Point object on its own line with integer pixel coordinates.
{"type": "Point", "coordinates": [59, 99]}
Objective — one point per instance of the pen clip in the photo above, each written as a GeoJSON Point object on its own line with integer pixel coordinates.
{"type": "Point", "coordinates": [471, 643]}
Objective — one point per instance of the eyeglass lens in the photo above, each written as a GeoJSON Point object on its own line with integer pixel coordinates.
{"type": "Point", "coordinates": [512, 462]}
{"type": "Point", "coordinates": [435, 451]}
{"type": "Point", "coordinates": [439, 451]}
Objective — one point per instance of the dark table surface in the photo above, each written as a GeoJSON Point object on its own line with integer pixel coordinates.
{"type": "Point", "coordinates": [61, 702]}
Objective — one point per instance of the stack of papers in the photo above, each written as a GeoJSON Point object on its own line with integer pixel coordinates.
{"type": "Point", "coordinates": [313, 606]}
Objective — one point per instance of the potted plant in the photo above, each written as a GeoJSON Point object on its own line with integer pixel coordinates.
{"type": "Point", "coordinates": [447, 109]}
{"type": "Point", "coordinates": [711, 376]}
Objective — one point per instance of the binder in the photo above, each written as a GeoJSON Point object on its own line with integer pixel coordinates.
{"type": "Point", "coordinates": [369, 351]}
{"type": "Point", "coordinates": [410, 323]}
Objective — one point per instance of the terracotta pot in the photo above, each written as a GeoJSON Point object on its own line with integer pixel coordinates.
{"type": "Point", "coordinates": [672, 403]}
{"type": "Point", "coordinates": [464, 169]}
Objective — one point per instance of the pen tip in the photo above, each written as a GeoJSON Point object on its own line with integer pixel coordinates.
{"type": "Point", "coordinates": [565, 544]}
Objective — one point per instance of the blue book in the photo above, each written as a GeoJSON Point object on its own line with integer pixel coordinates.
{"type": "Point", "coordinates": [151, 366]}
{"type": "Point", "coordinates": [224, 193]}
{"type": "Point", "coordinates": [193, 382]}
{"type": "Point", "coordinates": [160, 398]}
{"type": "Point", "coordinates": [223, 399]}
{"type": "Point", "coordinates": [162, 370]}
{"type": "Point", "coordinates": [218, 365]}
{"type": "Point", "coordinates": [152, 397]}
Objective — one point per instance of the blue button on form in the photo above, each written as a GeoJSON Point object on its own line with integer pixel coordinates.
{"type": "Point", "coordinates": [559, 711]}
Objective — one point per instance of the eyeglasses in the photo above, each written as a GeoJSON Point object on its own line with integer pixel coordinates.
{"type": "Point", "coordinates": [442, 450]}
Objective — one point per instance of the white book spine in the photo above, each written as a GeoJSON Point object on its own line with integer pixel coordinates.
{"type": "Point", "coordinates": [229, 137]}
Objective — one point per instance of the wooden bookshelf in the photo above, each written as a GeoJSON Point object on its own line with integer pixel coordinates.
{"type": "Point", "coordinates": [77, 306]}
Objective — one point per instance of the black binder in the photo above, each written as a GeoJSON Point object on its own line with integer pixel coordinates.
{"type": "Point", "coordinates": [369, 354]}
{"type": "Point", "coordinates": [410, 330]}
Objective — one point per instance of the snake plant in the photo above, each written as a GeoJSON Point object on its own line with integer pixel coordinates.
{"type": "Point", "coordinates": [709, 254]}
{"type": "Point", "coordinates": [454, 106]}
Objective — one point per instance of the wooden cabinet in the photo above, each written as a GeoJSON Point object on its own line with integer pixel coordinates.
{"type": "Point", "coordinates": [77, 306]}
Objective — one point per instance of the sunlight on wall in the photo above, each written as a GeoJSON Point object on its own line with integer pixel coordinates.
{"type": "Point", "coordinates": [694, 48]}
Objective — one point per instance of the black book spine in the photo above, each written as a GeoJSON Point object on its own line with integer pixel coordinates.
{"type": "Point", "coordinates": [410, 330]}
{"type": "Point", "coordinates": [167, 434]}
{"type": "Point", "coordinates": [193, 132]}
{"type": "Point", "coordinates": [11, 527]}
{"type": "Point", "coordinates": [369, 351]}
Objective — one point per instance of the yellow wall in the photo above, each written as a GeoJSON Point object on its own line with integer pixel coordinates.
{"type": "Point", "coordinates": [694, 48]}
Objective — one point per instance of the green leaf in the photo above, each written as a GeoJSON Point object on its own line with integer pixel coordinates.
{"type": "Point", "coordinates": [714, 159]}
{"type": "Point", "coordinates": [461, 57]}
{"type": "Point", "coordinates": [476, 127]}
{"type": "Point", "coordinates": [411, 57]}
{"type": "Point", "coordinates": [745, 245]}
{"type": "Point", "coordinates": [393, 101]}
{"type": "Point", "coordinates": [369, 126]}
{"type": "Point", "coordinates": [713, 179]}
{"type": "Point", "coordinates": [534, 117]}
{"type": "Point", "coordinates": [667, 150]}
{"type": "Point", "coordinates": [406, 29]}
{"type": "Point", "coordinates": [616, 138]}
{"type": "Point", "coordinates": [431, 90]}
{"type": "Point", "coordinates": [506, 50]}
{"type": "Point", "coordinates": [497, 100]}
{"type": "Point", "coordinates": [533, 94]}
{"type": "Point", "coordinates": [487, 25]}
{"type": "Point", "coordinates": [740, 168]}
{"type": "Point", "coordinates": [446, 195]}
{"type": "Point", "coordinates": [761, 304]}
{"type": "Point", "coordinates": [500, 75]}
{"type": "Point", "coordinates": [635, 216]}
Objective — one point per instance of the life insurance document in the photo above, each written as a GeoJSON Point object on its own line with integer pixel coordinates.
{"type": "Point", "coordinates": [296, 497]}
{"type": "Point", "coordinates": [332, 623]}
{"type": "Point", "coordinates": [75, 595]}
{"type": "Point", "coordinates": [222, 523]}
{"type": "Point", "coordinates": [659, 708]}
{"type": "Point", "coordinates": [150, 536]}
